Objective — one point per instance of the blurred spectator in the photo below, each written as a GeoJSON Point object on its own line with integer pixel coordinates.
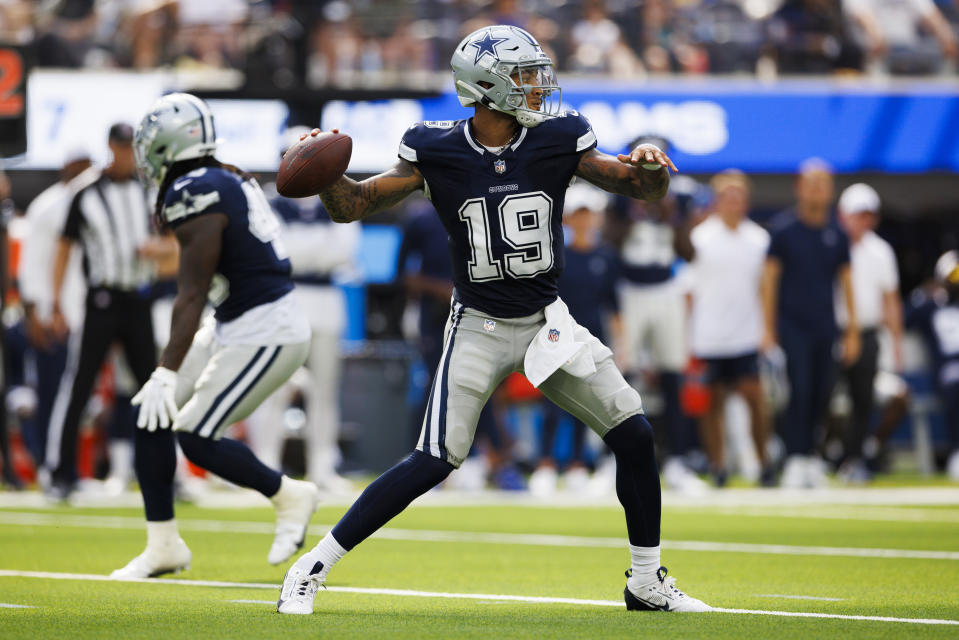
{"type": "Point", "coordinates": [810, 36]}
{"type": "Point", "coordinates": [900, 31]}
{"type": "Point", "coordinates": [731, 37]}
{"type": "Point", "coordinates": [650, 237]}
{"type": "Point", "coordinates": [210, 33]}
{"type": "Point", "coordinates": [726, 321]}
{"type": "Point", "coordinates": [7, 212]}
{"type": "Point", "coordinates": [16, 21]}
{"type": "Point", "coordinates": [935, 312]}
{"type": "Point", "coordinates": [597, 45]}
{"type": "Point", "coordinates": [65, 33]}
{"type": "Point", "coordinates": [45, 217]}
{"type": "Point", "coordinates": [808, 257]}
{"type": "Point", "coordinates": [667, 45]}
{"type": "Point", "coordinates": [875, 285]}
{"type": "Point", "coordinates": [588, 287]}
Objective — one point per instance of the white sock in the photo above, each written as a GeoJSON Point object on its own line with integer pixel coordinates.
{"type": "Point", "coordinates": [121, 459]}
{"type": "Point", "coordinates": [328, 551]}
{"type": "Point", "coordinates": [160, 534]}
{"type": "Point", "coordinates": [645, 564]}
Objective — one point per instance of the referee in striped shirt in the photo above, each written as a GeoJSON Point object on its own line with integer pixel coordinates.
{"type": "Point", "coordinates": [109, 218]}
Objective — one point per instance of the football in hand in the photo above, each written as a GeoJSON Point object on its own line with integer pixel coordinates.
{"type": "Point", "coordinates": [313, 164]}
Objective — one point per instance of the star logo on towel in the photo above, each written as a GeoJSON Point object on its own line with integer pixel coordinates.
{"type": "Point", "coordinates": [553, 335]}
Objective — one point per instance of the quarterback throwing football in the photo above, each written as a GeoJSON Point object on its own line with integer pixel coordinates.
{"type": "Point", "coordinates": [498, 181]}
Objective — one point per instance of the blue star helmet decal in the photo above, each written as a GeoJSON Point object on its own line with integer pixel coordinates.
{"type": "Point", "coordinates": [486, 44]}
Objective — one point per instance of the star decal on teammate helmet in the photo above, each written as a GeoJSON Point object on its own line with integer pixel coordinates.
{"type": "Point", "coordinates": [486, 44]}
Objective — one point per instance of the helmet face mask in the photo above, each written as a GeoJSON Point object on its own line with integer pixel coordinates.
{"type": "Point", "coordinates": [503, 68]}
{"type": "Point", "coordinates": [178, 127]}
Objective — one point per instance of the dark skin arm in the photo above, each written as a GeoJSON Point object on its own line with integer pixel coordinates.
{"type": "Point", "coordinates": [200, 242]}
{"type": "Point", "coordinates": [625, 174]}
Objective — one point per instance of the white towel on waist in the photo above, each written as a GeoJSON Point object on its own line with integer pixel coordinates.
{"type": "Point", "coordinates": [558, 345]}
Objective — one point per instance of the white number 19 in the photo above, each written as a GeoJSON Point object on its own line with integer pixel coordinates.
{"type": "Point", "coordinates": [524, 225]}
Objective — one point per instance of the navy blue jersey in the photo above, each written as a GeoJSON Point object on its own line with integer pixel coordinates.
{"type": "Point", "coordinates": [811, 258]}
{"type": "Point", "coordinates": [253, 268]}
{"type": "Point", "coordinates": [502, 211]}
{"type": "Point", "coordinates": [938, 321]}
{"type": "Point", "coordinates": [588, 286]}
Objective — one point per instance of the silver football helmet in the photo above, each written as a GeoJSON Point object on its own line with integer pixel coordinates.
{"type": "Point", "coordinates": [178, 127]}
{"type": "Point", "coordinates": [503, 68]}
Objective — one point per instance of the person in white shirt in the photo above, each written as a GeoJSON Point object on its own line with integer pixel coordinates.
{"type": "Point", "coordinates": [726, 324]}
{"type": "Point", "coordinates": [875, 284]}
{"type": "Point", "coordinates": [45, 218]}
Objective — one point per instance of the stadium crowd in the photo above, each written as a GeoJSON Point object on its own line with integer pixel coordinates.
{"type": "Point", "coordinates": [293, 43]}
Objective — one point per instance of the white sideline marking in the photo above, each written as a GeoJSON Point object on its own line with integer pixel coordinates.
{"type": "Point", "coordinates": [459, 596]}
{"type": "Point", "coordinates": [253, 601]}
{"type": "Point", "coordinates": [791, 597]}
{"type": "Point", "coordinates": [7, 605]}
{"type": "Point", "coordinates": [468, 596]}
{"type": "Point", "coordinates": [531, 539]}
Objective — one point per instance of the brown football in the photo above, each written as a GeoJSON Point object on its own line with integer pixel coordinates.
{"type": "Point", "coordinates": [313, 164]}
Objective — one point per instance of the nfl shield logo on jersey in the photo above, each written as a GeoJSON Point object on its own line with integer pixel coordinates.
{"type": "Point", "coordinates": [489, 325]}
{"type": "Point", "coordinates": [500, 166]}
{"type": "Point", "coordinates": [553, 335]}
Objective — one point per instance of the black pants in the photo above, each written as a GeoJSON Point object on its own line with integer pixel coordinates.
{"type": "Point", "coordinates": [812, 372]}
{"type": "Point", "coordinates": [860, 380]}
{"type": "Point", "coordinates": [111, 316]}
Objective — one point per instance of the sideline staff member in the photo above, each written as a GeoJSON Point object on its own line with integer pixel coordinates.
{"type": "Point", "coordinates": [110, 218]}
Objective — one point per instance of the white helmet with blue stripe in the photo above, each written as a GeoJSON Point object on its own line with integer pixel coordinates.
{"type": "Point", "coordinates": [178, 127]}
{"type": "Point", "coordinates": [504, 68]}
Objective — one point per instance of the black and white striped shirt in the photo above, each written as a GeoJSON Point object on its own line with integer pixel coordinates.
{"type": "Point", "coordinates": [111, 220]}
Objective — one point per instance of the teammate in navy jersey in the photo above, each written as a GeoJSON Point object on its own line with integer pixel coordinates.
{"type": "Point", "coordinates": [257, 337]}
{"type": "Point", "coordinates": [936, 316]}
{"type": "Point", "coordinates": [498, 181]}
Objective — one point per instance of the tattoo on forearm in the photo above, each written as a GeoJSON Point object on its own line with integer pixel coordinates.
{"type": "Point", "coordinates": [347, 200]}
{"type": "Point", "coordinates": [628, 180]}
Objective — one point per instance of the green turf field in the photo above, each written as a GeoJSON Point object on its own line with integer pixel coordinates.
{"type": "Point", "coordinates": [497, 571]}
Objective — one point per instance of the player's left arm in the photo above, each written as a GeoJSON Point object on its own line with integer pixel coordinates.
{"type": "Point", "coordinates": [200, 243]}
{"type": "Point", "coordinates": [643, 173]}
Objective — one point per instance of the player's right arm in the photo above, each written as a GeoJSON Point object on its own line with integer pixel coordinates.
{"type": "Point", "coordinates": [348, 200]}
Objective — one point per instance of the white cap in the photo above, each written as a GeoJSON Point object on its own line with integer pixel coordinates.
{"type": "Point", "coordinates": [858, 198]}
{"type": "Point", "coordinates": [585, 196]}
{"type": "Point", "coordinates": [946, 265]}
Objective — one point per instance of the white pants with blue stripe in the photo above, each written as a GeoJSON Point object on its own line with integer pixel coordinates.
{"type": "Point", "coordinates": [220, 384]}
{"type": "Point", "coordinates": [480, 350]}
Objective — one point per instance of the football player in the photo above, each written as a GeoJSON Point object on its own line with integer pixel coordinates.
{"type": "Point", "coordinates": [214, 372]}
{"type": "Point", "coordinates": [498, 181]}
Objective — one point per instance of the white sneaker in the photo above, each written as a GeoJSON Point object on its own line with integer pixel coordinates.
{"type": "Point", "coordinates": [794, 473]}
{"type": "Point", "coordinates": [816, 473]}
{"type": "Point", "coordinates": [155, 561]}
{"type": "Point", "coordinates": [334, 483]}
{"type": "Point", "coordinates": [603, 482]}
{"type": "Point", "coordinates": [660, 595]}
{"type": "Point", "coordinates": [543, 481]}
{"type": "Point", "coordinates": [576, 480]}
{"type": "Point", "coordinates": [299, 590]}
{"type": "Point", "coordinates": [295, 503]}
{"type": "Point", "coordinates": [952, 466]}
{"type": "Point", "coordinates": [679, 477]}
{"type": "Point", "coordinates": [471, 475]}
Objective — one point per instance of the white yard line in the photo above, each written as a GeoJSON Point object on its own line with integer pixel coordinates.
{"type": "Point", "coordinates": [476, 537]}
{"type": "Point", "coordinates": [791, 597]}
{"type": "Point", "coordinates": [458, 596]}
{"type": "Point", "coordinates": [7, 605]}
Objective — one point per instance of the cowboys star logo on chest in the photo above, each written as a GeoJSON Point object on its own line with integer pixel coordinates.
{"type": "Point", "coordinates": [499, 166]}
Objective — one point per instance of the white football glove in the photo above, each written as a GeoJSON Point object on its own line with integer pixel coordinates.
{"type": "Point", "coordinates": [157, 400]}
